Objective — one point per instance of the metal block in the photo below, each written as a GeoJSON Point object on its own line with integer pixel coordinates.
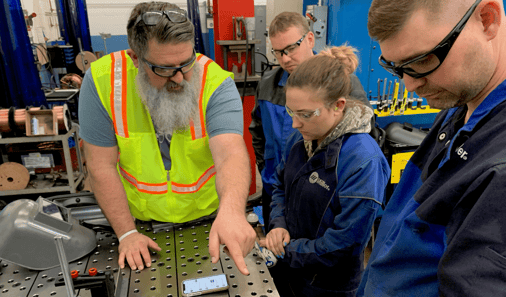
{"type": "Point", "coordinates": [193, 254]}
{"type": "Point", "coordinates": [258, 283]}
{"type": "Point", "coordinates": [161, 278]}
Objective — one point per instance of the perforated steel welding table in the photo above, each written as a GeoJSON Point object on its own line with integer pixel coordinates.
{"type": "Point", "coordinates": [184, 255]}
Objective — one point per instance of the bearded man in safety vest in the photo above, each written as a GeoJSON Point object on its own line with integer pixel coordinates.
{"type": "Point", "coordinates": [162, 129]}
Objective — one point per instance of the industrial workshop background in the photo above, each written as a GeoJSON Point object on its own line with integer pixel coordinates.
{"type": "Point", "coordinates": [45, 48]}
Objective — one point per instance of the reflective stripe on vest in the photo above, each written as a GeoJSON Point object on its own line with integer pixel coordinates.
{"type": "Point", "coordinates": [199, 130]}
{"type": "Point", "coordinates": [192, 188]}
{"type": "Point", "coordinates": [161, 188]}
{"type": "Point", "coordinates": [119, 93]}
{"type": "Point", "coordinates": [148, 188]}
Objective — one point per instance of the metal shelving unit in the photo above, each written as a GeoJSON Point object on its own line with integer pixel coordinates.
{"type": "Point", "coordinates": [74, 178]}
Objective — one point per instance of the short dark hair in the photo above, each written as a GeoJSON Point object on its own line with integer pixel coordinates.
{"type": "Point", "coordinates": [164, 32]}
{"type": "Point", "coordinates": [388, 17]}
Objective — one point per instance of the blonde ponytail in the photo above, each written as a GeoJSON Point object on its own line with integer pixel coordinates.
{"type": "Point", "coordinates": [345, 54]}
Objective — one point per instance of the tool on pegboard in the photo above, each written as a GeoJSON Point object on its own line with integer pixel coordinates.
{"type": "Point", "coordinates": [379, 102]}
{"type": "Point", "coordinates": [387, 99]}
{"type": "Point", "coordinates": [404, 100]}
{"type": "Point", "coordinates": [400, 95]}
{"type": "Point", "coordinates": [385, 102]}
{"type": "Point", "coordinates": [393, 106]}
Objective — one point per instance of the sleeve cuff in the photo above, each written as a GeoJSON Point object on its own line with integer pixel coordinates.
{"type": "Point", "coordinates": [278, 222]}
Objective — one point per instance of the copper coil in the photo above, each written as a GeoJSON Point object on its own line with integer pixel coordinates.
{"type": "Point", "coordinates": [62, 114]}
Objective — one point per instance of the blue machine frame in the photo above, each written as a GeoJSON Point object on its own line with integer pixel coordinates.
{"type": "Point", "coordinates": [18, 72]}
{"type": "Point", "coordinates": [74, 24]}
{"type": "Point", "coordinates": [194, 14]}
{"type": "Point", "coordinates": [347, 22]}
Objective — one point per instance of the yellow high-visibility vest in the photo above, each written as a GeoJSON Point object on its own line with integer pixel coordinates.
{"type": "Point", "coordinates": [188, 190]}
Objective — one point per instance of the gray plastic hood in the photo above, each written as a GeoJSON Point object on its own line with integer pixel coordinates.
{"type": "Point", "coordinates": [28, 229]}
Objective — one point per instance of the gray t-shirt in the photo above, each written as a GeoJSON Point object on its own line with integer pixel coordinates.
{"type": "Point", "coordinates": [223, 115]}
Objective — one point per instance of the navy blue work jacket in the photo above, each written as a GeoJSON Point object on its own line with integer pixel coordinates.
{"type": "Point", "coordinates": [443, 232]}
{"type": "Point", "coordinates": [328, 204]}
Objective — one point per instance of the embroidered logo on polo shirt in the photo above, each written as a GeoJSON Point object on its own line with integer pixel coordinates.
{"type": "Point", "coordinates": [461, 152]}
{"type": "Point", "coordinates": [314, 178]}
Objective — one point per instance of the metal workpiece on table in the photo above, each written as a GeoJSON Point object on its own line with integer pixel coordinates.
{"type": "Point", "coordinates": [161, 278]}
{"type": "Point", "coordinates": [185, 255]}
{"type": "Point", "coordinates": [258, 283]}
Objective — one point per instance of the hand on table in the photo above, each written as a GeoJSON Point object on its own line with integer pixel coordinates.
{"type": "Point", "coordinates": [134, 248]}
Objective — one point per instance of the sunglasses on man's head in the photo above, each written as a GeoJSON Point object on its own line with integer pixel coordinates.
{"type": "Point", "coordinates": [427, 63]}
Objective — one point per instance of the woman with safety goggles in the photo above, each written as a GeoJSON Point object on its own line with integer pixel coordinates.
{"type": "Point", "coordinates": [330, 183]}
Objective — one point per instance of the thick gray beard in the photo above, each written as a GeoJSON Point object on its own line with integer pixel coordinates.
{"type": "Point", "coordinates": [170, 110]}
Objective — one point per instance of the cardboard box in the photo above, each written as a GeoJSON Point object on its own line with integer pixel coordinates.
{"type": "Point", "coordinates": [41, 122]}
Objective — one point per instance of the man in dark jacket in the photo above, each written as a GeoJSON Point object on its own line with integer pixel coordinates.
{"type": "Point", "coordinates": [292, 43]}
{"type": "Point", "coordinates": [443, 232]}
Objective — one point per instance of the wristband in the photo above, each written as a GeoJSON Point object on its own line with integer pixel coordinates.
{"type": "Point", "coordinates": [126, 234]}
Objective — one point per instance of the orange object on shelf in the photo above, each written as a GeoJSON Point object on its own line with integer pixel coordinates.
{"type": "Point", "coordinates": [74, 273]}
{"type": "Point", "coordinates": [92, 271]}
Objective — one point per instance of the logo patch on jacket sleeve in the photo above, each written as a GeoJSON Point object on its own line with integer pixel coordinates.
{"type": "Point", "coordinates": [315, 178]}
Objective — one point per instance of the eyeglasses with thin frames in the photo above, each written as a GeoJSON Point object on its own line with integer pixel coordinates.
{"type": "Point", "coordinates": [166, 71]}
{"type": "Point", "coordinates": [427, 63]}
{"type": "Point", "coordinates": [152, 18]}
{"type": "Point", "coordinates": [288, 50]}
{"type": "Point", "coordinates": [303, 115]}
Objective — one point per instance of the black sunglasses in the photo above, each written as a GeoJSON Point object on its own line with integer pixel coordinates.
{"type": "Point", "coordinates": [288, 49]}
{"type": "Point", "coordinates": [427, 63]}
{"type": "Point", "coordinates": [166, 71]}
{"type": "Point", "coordinates": [151, 18]}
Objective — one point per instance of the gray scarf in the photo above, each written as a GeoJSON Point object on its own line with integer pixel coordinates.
{"type": "Point", "coordinates": [356, 119]}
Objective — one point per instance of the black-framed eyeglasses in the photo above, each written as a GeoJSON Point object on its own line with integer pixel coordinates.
{"type": "Point", "coordinates": [288, 50]}
{"type": "Point", "coordinates": [166, 71]}
{"type": "Point", "coordinates": [427, 63]}
{"type": "Point", "coordinates": [151, 18]}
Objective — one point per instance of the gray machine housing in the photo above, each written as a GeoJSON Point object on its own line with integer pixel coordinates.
{"type": "Point", "coordinates": [29, 229]}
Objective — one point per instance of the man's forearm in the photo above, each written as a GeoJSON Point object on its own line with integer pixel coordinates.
{"type": "Point", "coordinates": [232, 183]}
{"type": "Point", "coordinates": [112, 199]}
